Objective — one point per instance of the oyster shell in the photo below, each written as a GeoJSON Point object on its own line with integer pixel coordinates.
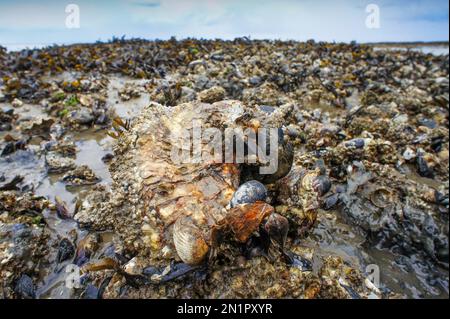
{"type": "Point", "coordinates": [182, 204]}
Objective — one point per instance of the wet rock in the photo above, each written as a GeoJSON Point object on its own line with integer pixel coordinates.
{"type": "Point", "coordinates": [62, 148]}
{"type": "Point", "coordinates": [212, 95]}
{"type": "Point", "coordinates": [58, 164]}
{"type": "Point", "coordinates": [90, 292]}
{"type": "Point", "coordinates": [186, 239]}
{"type": "Point", "coordinates": [39, 127]}
{"type": "Point", "coordinates": [82, 175]}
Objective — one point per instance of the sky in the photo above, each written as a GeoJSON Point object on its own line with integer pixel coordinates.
{"type": "Point", "coordinates": [44, 22]}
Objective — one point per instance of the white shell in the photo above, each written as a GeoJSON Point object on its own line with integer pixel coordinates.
{"type": "Point", "coordinates": [189, 242]}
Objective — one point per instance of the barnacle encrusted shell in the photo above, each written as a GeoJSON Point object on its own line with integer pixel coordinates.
{"type": "Point", "coordinates": [299, 197]}
{"type": "Point", "coordinates": [151, 192]}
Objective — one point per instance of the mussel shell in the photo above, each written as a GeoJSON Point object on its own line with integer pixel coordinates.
{"type": "Point", "coordinates": [189, 243]}
{"type": "Point", "coordinates": [66, 250]}
{"type": "Point", "coordinates": [277, 227]}
{"type": "Point", "coordinates": [330, 201]}
{"type": "Point", "coordinates": [285, 161]}
{"type": "Point", "coordinates": [249, 192]}
{"type": "Point", "coordinates": [423, 168]}
{"type": "Point", "coordinates": [322, 184]}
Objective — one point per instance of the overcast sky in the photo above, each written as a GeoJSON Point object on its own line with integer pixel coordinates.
{"type": "Point", "coordinates": [43, 22]}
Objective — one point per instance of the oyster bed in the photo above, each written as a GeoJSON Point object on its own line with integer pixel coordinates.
{"type": "Point", "coordinates": [374, 121]}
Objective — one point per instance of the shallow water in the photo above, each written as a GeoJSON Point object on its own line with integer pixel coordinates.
{"type": "Point", "coordinates": [91, 146]}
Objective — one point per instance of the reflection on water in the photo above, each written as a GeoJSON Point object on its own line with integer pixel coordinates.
{"type": "Point", "coordinates": [91, 147]}
{"type": "Point", "coordinates": [126, 109]}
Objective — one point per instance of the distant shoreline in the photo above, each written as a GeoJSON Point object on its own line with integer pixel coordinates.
{"type": "Point", "coordinates": [11, 47]}
{"type": "Point", "coordinates": [409, 44]}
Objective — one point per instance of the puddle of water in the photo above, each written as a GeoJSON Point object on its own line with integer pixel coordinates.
{"type": "Point", "coordinates": [68, 76]}
{"type": "Point", "coordinates": [126, 109]}
{"type": "Point", "coordinates": [91, 147]}
{"type": "Point", "coordinates": [411, 280]}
